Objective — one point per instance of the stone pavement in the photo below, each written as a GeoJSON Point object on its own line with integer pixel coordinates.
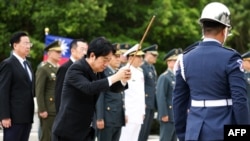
{"type": "Point", "coordinates": [34, 130]}
{"type": "Point", "coordinates": [33, 134]}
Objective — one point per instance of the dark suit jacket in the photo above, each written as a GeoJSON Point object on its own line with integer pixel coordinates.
{"type": "Point", "coordinates": [60, 75]}
{"type": "Point", "coordinates": [16, 92]}
{"type": "Point", "coordinates": [79, 95]}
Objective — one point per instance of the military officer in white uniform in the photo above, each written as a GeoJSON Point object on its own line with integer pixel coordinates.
{"type": "Point", "coordinates": [134, 96]}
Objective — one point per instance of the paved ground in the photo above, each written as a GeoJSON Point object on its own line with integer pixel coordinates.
{"type": "Point", "coordinates": [33, 134]}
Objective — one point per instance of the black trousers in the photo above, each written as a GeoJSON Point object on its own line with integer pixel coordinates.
{"type": "Point", "coordinates": [17, 132]}
{"type": "Point", "coordinates": [146, 126]}
{"type": "Point", "coordinates": [89, 137]}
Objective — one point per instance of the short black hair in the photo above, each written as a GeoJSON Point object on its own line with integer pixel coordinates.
{"type": "Point", "coordinates": [212, 27]}
{"type": "Point", "coordinates": [74, 43]}
{"type": "Point", "coordinates": [15, 38]}
{"type": "Point", "coordinates": [100, 46]}
{"type": "Point", "coordinates": [212, 24]}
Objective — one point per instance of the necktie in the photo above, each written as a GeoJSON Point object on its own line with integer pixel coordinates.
{"type": "Point", "coordinates": [26, 69]}
{"type": "Point", "coordinates": [154, 71]}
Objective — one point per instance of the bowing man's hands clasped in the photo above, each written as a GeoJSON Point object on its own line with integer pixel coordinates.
{"type": "Point", "coordinates": [123, 74]}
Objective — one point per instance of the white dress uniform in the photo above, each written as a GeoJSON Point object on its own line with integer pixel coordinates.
{"type": "Point", "coordinates": [134, 105]}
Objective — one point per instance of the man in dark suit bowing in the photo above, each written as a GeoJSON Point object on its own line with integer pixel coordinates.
{"type": "Point", "coordinates": [17, 90]}
{"type": "Point", "coordinates": [83, 83]}
{"type": "Point", "coordinates": [78, 49]}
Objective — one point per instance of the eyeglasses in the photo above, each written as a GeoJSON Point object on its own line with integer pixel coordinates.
{"type": "Point", "coordinates": [27, 44]}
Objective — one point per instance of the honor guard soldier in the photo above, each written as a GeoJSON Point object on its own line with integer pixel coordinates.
{"type": "Point", "coordinates": [246, 67]}
{"type": "Point", "coordinates": [165, 86]}
{"type": "Point", "coordinates": [150, 77]}
{"type": "Point", "coordinates": [211, 77]}
{"type": "Point", "coordinates": [110, 106]}
{"type": "Point", "coordinates": [45, 90]}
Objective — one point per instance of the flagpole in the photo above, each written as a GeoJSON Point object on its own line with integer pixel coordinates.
{"type": "Point", "coordinates": [46, 30]}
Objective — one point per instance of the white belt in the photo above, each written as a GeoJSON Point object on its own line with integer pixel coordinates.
{"type": "Point", "coordinates": [211, 103]}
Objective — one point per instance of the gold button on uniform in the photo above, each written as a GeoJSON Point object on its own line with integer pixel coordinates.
{"type": "Point", "coordinates": [146, 95]}
{"type": "Point", "coordinates": [51, 99]}
{"type": "Point", "coordinates": [108, 108]}
{"type": "Point", "coordinates": [170, 107]}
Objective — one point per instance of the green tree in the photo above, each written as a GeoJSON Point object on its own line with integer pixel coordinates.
{"type": "Point", "coordinates": [74, 19]}
{"type": "Point", "coordinates": [175, 26]}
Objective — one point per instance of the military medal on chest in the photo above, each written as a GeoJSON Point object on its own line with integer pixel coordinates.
{"type": "Point", "coordinates": [53, 76]}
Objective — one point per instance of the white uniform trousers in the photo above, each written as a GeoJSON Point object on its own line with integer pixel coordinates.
{"type": "Point", "coordinates": [130, 132]}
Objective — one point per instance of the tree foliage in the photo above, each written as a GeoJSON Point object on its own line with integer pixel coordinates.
{"type": "Point", "coordinates": [175, 26]}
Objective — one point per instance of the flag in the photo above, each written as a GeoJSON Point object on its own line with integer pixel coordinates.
{"type": "Point", "coordinates": [65, 45]}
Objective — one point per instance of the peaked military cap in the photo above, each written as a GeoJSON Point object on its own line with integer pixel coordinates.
{"type": "Point", "coordinates": [133, 51]}
{"type": "Point", "coordinates": [124, 47]}
{"type": "Point", "coordinates": [56, 45]}
{"type": "Point", "coordinates": [117, 48]}
{"type": "Point", "coordinates": [246, 56]}
{"type": "Point", "coordinates": [152, 49]}
{"type": "Point", "coordinates": [173, 54]}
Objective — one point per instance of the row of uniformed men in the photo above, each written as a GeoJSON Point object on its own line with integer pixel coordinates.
{"type": "Point", "coordinates": [143, 90]}
{"type": "Point", "coordinates": [164, 89]}
{"type": "Point", "coordinates": [110, 111]}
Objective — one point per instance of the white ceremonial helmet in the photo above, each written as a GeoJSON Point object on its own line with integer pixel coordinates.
{"type": "Point", "coordinates": [216, 11]}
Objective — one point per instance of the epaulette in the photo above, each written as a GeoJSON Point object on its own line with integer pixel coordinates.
{"type": "Point", "coordinates": [164, 73]}
{"type": "Point", "coordinates": [231, 49]}
{"type": "Point", "coordinates": [191, 47]}
{"type": "Point", "coordinates": [140, 69]}
{"type": "Point", "coordinates": [43, 63]}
